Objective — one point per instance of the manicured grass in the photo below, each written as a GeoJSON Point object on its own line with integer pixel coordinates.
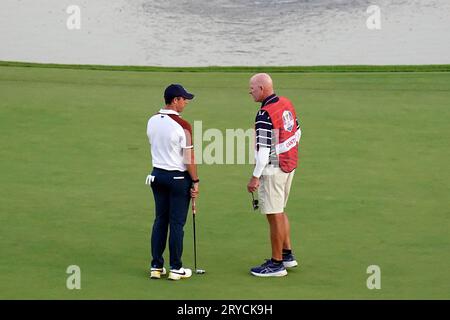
{"type": "Point", "coordinates": [372, 187]}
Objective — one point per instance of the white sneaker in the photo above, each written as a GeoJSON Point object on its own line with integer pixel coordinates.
{"type": "Point", "coordinates": [156, 273]}
{"type": "Point", "coordinates": [181, 273]}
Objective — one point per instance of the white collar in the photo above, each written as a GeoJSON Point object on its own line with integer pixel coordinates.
{"type": "Point", "coordinates": [168, 111]}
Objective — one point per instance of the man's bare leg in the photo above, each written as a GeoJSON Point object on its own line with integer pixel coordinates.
{"type": "Point", "coordinates": [287, 232]}
{"type": "Point", "coordinates": [277, 234]}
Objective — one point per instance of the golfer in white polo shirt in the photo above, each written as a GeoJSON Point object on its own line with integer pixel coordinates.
{"type": "Point", "coordinates": [174, 180]}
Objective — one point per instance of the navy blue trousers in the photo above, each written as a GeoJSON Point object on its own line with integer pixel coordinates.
{"type": "Point", "coordinates": [171, 190]}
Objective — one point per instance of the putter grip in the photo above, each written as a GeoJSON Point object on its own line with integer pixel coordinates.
{"type": "Point", "coordinates": [193, 207]}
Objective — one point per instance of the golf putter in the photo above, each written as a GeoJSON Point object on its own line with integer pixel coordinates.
{"type": "Point", "coordinates": [194, 211]}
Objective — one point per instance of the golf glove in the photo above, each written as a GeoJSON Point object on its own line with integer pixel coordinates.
{"type": "Point", "coordinates": [149, 179]}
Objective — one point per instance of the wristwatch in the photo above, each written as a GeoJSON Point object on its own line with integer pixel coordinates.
{"type": "Point", "coordinates": [196, 181]}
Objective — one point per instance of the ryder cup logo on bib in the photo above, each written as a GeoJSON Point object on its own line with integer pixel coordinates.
{"type": "Point", "coordinates": [288, 121]}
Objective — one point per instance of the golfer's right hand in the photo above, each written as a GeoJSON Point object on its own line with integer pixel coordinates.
{"type": "Point", "coordinates": [194, 191]}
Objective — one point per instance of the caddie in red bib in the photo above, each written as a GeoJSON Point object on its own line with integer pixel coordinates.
{"type": "Point", "coordinates": [277, 137]}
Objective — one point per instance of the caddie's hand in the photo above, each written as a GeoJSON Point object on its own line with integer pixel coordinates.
{"type": "Point", "coordinates": [194, 190]}
{"type": "Point", "coordinates": [253, 184]}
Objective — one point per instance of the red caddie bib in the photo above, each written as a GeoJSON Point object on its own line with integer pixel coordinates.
{"type": "Point", "coordinates": [283, 116]}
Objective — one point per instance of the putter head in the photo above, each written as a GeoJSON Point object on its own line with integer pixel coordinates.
{"type": "Point", "coordinates": [199, 271]}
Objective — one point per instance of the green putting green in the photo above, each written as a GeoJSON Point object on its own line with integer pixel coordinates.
{"type": "Point", "coordinates": [372, 187]}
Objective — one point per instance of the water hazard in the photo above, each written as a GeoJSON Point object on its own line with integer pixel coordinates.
{"type": "Point", "coordinates": [226, 32]}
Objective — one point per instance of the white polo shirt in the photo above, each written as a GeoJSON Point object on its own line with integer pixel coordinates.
{"type": "Point", "coordinates": [168, 135]}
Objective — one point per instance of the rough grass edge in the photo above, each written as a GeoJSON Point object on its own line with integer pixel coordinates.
{"type": "Point", "coordinates": [245, 69]}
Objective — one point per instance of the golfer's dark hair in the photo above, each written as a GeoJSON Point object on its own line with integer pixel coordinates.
{"type": "Point", "coordinates": [168, 100]}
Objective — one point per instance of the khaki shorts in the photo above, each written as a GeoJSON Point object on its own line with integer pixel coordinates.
{"type": "Point", "coordinates": [274, 189]}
